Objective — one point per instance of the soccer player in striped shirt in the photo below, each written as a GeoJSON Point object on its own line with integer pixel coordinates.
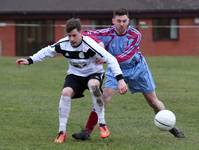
{"type": "Point", "coordinates": [83, 72]}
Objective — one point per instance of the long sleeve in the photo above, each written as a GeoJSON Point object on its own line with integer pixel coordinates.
{"type": "Point", "coordinates": [48, 51]}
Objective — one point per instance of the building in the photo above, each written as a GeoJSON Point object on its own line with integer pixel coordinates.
{"type": "Point", "coordinates": [169, 27]}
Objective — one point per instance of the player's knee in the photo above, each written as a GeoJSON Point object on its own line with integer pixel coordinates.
{"type": "Point", "coordinates": [67, 92]}
{"type": "Point", "coordinates": [93, 83]}
{"type": "Point", "coordinates": [106, 99]}
{"type": "Point", "coordinates": [107, 96]}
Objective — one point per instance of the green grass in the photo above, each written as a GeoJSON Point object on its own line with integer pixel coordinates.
{"type": "Point", "coordinates": [29, 98]}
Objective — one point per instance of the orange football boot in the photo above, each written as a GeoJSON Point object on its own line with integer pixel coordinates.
{"type": "Point", "coordinates": [61, 137]}
{"type": "Point", "coordinates": [104, 132]}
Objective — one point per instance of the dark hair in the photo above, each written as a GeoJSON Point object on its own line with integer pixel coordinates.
{"type": "Point", "coordinates": [73, 23]}
{"type": "Point", "coordinates": [120, 12]}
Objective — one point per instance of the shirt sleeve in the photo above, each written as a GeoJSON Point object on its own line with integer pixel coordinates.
{"type": "Point", "coordinates": [48, 51]}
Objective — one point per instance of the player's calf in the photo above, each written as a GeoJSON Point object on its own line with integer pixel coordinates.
{"type": "Point", "coordinates": [97, 93]}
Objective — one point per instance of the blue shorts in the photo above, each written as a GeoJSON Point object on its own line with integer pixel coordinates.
{"type": "Point", "coordinates": [138, 78]}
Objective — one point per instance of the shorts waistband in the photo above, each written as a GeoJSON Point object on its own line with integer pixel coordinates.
{"type": "Point", "coordinates": [134, 61]}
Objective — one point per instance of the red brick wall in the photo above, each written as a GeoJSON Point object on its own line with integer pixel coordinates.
{"type": "Point", "coordinates": [187, 44]}
{"type": "Point", "coordinates": [59, 30]}
{"type": "Point", "coordinates": [189, 38]}
{"type": "Point", "coordinates": [8, 39]}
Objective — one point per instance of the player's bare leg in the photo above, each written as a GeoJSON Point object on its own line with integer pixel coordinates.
{"type": "Point", "coordinates": [157, 105]}
{"type": "Point", "coordinates": [107, 95]}
{"type": "Point", "coordinates": [154, 102]}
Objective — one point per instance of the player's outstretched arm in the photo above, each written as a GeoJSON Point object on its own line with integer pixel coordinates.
{"type": "Point", "coordinates": [45, 52]}
{"type": "Point", "coordinates": [22, 61]}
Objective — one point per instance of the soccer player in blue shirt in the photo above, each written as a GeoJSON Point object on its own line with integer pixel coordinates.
{"type": "Point", "coordinates": [123, 41]}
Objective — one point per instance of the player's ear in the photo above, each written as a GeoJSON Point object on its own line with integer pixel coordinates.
{"type": "Point", "coordinates": [128, 20]}
{"type": "Point", "coordinates": [81, 32]}
{"type": "Point", "coordinates": [113, 20]}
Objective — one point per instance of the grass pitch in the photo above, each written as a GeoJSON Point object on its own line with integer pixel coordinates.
{"type": "Point", "coordinates": [29, 98]}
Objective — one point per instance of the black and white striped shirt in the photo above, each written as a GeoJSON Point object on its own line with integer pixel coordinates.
{"type": "Point", "coordinates": [82, 58]}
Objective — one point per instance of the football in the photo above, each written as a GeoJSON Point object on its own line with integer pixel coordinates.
{"type": "Point", "coordinates": [165, 120]}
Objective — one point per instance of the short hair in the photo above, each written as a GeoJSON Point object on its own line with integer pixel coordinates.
{"type": "Point", "coordinates": [120, 12]}
{"type": "Point", "coordinates": [73, 23]}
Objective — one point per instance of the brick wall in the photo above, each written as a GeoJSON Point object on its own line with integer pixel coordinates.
{"type": "Point", "coordinates": [187, 44]}
{"type": "Point", "coordinates": [7, 39]}
{"type": "Point", "coordinates": [59, 30]}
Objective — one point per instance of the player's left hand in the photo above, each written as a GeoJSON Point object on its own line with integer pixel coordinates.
{"type": "Point", "coordinates": [122, 87]}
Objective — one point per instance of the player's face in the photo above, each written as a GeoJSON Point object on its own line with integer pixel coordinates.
{"type": "Point", "coordinates": [75, 37]}
{"type": "Point", "coordinates": [121, 23]}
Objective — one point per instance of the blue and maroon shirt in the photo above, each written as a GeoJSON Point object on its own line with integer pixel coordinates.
{"type": "Point", "coordinates": [124, 47]}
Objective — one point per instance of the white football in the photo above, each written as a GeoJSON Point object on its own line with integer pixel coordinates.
{"type": "Point", "coordinates": [165, 120]}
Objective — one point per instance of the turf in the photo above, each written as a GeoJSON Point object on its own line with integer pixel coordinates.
{"type": "Point", "coordinates": [29, 97]}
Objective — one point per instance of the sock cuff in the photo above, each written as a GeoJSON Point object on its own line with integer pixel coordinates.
{"type": "Point", "coordinates": [65, 97]}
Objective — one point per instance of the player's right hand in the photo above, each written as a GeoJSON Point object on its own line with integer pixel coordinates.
{"type": "Point", "coordinates": [22, 61]}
